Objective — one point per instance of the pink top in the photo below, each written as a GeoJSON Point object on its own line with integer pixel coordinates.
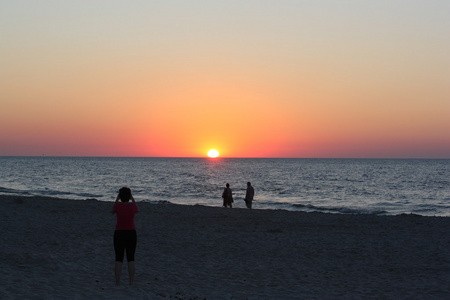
{"type": "Point", "coordinates": [125, 215]}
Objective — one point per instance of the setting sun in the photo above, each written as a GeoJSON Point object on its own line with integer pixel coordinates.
{"type": "Point", "coordinates": [213, 153]}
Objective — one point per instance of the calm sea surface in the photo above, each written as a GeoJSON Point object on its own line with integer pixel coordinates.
{"type": "Point", "coordinates": [364, 186]}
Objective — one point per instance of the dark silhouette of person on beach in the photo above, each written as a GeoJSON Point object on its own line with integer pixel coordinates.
{"type": "Point", "coordinates": [227, 196]}
{"type": "Point", "coordinates": [125, 238]}
{"type": "Point", "coordinates": [249, 194]}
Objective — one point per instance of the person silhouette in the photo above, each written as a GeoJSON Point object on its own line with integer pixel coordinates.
{"type": "Point", "coordinates": [249, 194]}
{"type": "Point", "coordinates": [125, 238]}
{"type": "Point", "coordinates": [227, 196]}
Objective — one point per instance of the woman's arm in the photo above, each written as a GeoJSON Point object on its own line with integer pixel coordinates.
{"type": "Point", "coordinates": [134, 202]}
{"type": "Point", "coordinates": [112, 208]}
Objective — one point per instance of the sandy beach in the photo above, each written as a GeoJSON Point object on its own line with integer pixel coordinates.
{"type": "Point", "coordinates": [62, 249]}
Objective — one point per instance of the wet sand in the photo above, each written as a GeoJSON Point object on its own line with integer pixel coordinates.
{"type": "Point", "coordinates": [62, 249]}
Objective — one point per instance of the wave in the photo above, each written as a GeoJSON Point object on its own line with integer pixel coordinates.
{"type": "Point", "coordinates": [4, 190]}
{"type": "Point", "coordinates": [342, 210]}
{"type": "Point", "coordinates": [46, 192]}
{"type": "Point", "coordinates": [437, 209]}
{"type": "Point", "coordinates": [325, 209]}
{"type": "Point", "coordinates": [156, 201]}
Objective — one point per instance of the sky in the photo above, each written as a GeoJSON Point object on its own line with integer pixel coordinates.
{"type": "Point", "coordinates": [249, 78]}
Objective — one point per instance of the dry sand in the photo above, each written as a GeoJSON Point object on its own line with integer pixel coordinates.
{"type": "Point", "coordinates": [56, 249]}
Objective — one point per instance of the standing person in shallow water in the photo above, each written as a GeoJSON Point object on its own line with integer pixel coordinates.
{"type": "Point", "coordinates": [249, 195]}
{"type": "Point", "coordinates": [227, 196]}
{"type": "Point", "coordinates": [125, 234]}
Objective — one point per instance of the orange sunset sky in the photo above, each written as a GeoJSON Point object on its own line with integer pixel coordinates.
{"type": "Point", "coordinates": [249, 78]}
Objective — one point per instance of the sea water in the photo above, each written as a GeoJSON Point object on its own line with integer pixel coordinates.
{"type": "Point", "coordinates": [361, 186]}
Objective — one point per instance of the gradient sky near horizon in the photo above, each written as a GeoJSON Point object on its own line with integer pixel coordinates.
{"type": "Point", "coordinates": [250, 78]}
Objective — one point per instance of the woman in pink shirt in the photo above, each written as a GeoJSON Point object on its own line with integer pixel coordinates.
{"type": "Point", "coordinates": [125, 234]}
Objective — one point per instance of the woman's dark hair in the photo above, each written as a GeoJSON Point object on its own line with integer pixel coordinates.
{"type": "Point", "coordinates": [125, 194]}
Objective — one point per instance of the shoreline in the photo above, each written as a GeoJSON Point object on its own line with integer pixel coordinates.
{"type": "Point", "coordinates": [239, 204]}
{"type": "Point", "coordinates": [61, 248]}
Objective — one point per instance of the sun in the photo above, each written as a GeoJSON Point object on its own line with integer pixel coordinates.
{"type": "Point", "coordinates": [213, 153]}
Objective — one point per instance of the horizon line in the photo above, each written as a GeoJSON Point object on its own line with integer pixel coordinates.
{"type": "Point", "coordinates": [227, 157]}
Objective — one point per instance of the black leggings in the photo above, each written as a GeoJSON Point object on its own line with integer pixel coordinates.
{"type": "Point", "coordinates": [125, 240]}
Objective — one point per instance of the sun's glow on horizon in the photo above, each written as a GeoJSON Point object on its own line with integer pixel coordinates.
{"type": "Point", "coordinates": [213, 153]}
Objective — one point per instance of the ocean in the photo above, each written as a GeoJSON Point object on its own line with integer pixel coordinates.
{"type": "Point", "coordinates": [346, 186]}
